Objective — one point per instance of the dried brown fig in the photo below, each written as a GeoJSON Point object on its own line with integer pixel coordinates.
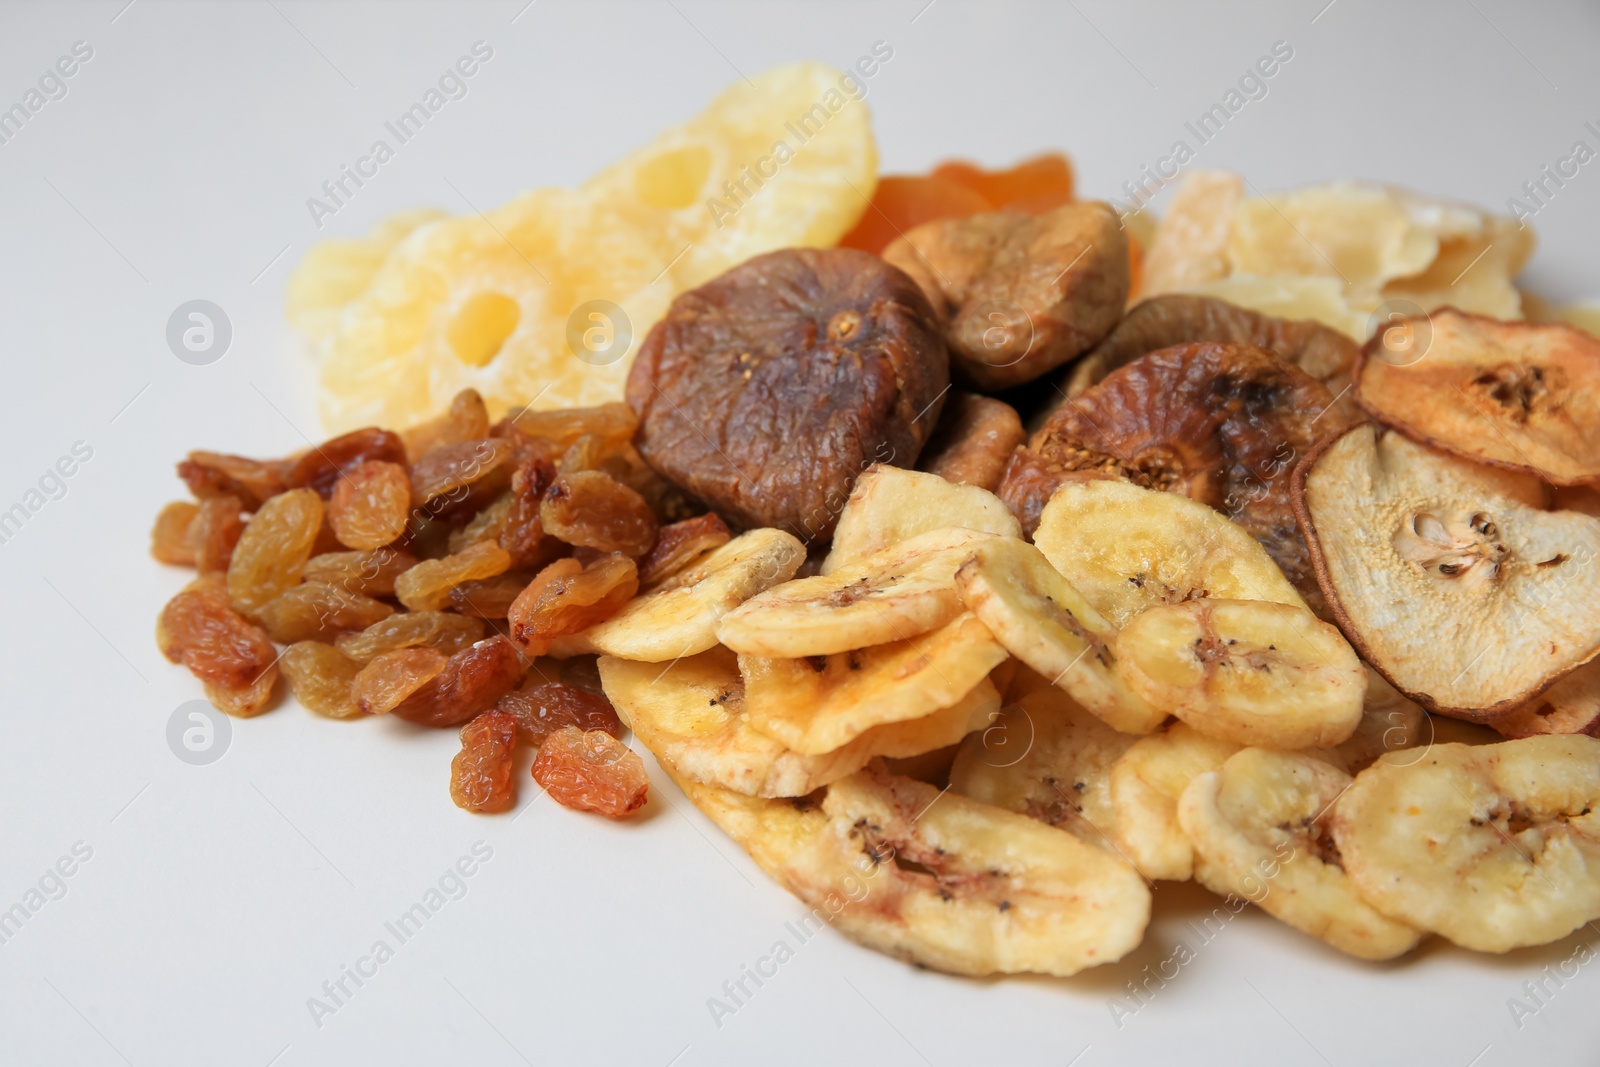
{"type": "Point", "coordinates": [1468, 600]}
{"type": "Point", "coordinates": [766, 391]}
{"type": "Point", "coordinates": [973, 442]}
{"type": "Point", "coordinates": [1022, 294]}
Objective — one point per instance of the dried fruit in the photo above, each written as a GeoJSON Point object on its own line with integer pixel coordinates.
{"type": "Point", "coordinates": [1571, 706]}
{"type": "Point", "coordinates": [611, 425]}
{"type": "Point", "coordinates": [470, 681]}
{"type": "Point", "coordinates": [321, 679]}
{"type": "Point", "coordinates": [490, 598]}
{"type": "Point", "coordinates": [1022, 295]}
{"type": "Point", "coordinates": [1035, 185]}
{"type": "Point", "coordinates": [567, 597]}
{"type": "Point", "coordinates": [679, 544]}
{"type": "Point", "coordinates": [973, 441]}
{"type": "Point", "coordinates": [1191, 244]}
{"type": "Point", "coordinates": [169, 538]}
{"type": "Point", "coordinates": [591, 509]}
{"type": "Point", "coordinates": [215, 531]}
{"type": "Point", "coordinates": [519, 530]}
{"type": "Point", "coordinates": [480, 774]}
{"type": "Point", "coordinates": [234, 657]}
{"type": "Point", "coordinates": [446, 632]}
{"type": "Point", "coordinates": [903, 201]}
{"type": "Point", "coordinates": [323, 466]}
{"type": "Point", "coordinates": [318, 611]}
{"type": "Point", "coordinates": [466, 419]}
{"type": "Point", "coordinates": [766, 391]}
{"type": "Point", "coordinates": [390, 677]}
{"type": "Point", "coordinates": [1221, 424]}
{"type": "Point", "coordinates": [889, 505]}
{"type": "Point", "coordinates": [273, 549]}
{"type": "Point", "coordinates": [449, 470]}
{"type": "Point", "coordinates": [427, 586]}
{"type": "Point", "coordinates": [370, 505]}
{"type": "Point", "coordinates": [373, 573]}
{"type": "Point", "coordinates": [1519, 395]}
{"type": "Point", "coordinates": [591, 771]}
{"type": "Point", "coordinates": [1493, 846]}
{"type": "Point", "coordinates": [215, 474]}
{"type": "Point", "coordinates": [1471, 602]}
{"type": "Point", "coordinates": [1146, 784]}
{"type": "Point", "coordinates": [541, 708]}
{"type": "Point", "coordinates": [336, 271]}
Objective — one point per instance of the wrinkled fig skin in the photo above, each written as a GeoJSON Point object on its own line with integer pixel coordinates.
{"type": "Point", "coordinates": [1219, 423]}
{"type": "Point", "coordinates": [1020, 294]}
{"type": "Point", "coordinates": [1181, 318]}
{"type": "Point", "coordinates": [766, 391]}
{"type": "Point", "coordinates": [973, 441]}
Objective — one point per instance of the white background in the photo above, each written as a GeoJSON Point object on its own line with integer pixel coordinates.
{"type": "Point", "coordinates": [218, 899]}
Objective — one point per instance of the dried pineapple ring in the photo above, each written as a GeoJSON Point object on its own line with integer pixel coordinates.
{"type": "Point", "coordinates": [1047, 758]}
{"type": "Point", "coordinates": [692, 716]}
{"type": "Point", "coordinates": [889, 505]}
{"type": "Point", "coordinates": [1246, 671]}
{"type": "Point", "coordinates": [337, 271]}
{"type": "Point", "coordinates": [679, 617]}
{"type": "Point", "coordinates": [1047, 624]}
{"type": "Point", "coordinates": [896, 593]}
{"type": "Point", "coordinates": [1146, 783]}
{"type": "Point", "coordinates": [940, 881]}
{"type": "Point", "coordinates": [1126, 548]}
{"type": "Point", "coordinates": [1493, 846]}
{"type": "Point", "coordinates": [820, 703]}
{"type": "Point", "coordinates": [1256, 828]}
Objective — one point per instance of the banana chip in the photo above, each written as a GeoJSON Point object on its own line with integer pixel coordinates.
{"type": "Point", "coordinates": [940, 881]}
{"type": "Point", "coordinates": [1146, 783]}
{"type": "Point", "coordinates": [819, 703]}
{"type": "Point", "coordinates": [1495, 847]}
{"type": "Point", "coordinates": [1047, 624]}
{"type": "Point", "coordinates": [1246, 671]}
{"type": "Point", "coordinates": [679, 617]}
{"type": "Point", "coordinates": [895, 593]}
{"type": "Point", "coordinates": [889, 505]}
{"type": "Point", "coordinates": [1257, 828]}
{"type": "Point", "coordinates": [692, 716]}
{"type": "Point", "coordinates": [1126, 549]}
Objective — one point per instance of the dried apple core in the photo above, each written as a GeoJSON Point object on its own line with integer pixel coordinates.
{"type": "Point", "coordinates": [1464, 552]}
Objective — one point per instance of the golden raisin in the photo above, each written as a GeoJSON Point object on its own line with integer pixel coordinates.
{"type": "Point", "coordinates": [426, 587]}
{"type": "Point", "coordinates": [215, 531]}
{"type": "Point", "coordinates": [372, 573]}
{"type": "Point", "coordinates": [393, 676]}
{"type": "Point", "coordinates": [563, 426]}
{"type": "Point", "coordinates": [490, 598]}
{"type": "Point", "coordinates": [198, 629]}
{"type": "Point", "coordinates": [594, 510]}
{"type": "Point", "coordinates": [322, 467]}
{"type": "Point", "coordinates": [273, 549]}
{"type": "Point", "coordinates": [169, 538]}
{"type": "Point", "coordinates": [371, 504]}
{"type": "Point", "coordinates": [216, 474]}
{"type": "Point", "coordinates": [469, 682]}
{"type": "Point", "coordinates": [317, 611]}
{"type": "Point", "coordinates": [467, 419]}
{"type": "Point", "coordinates": [521, 534]}
{"type": "Point", "coordinates": [439, 630]}
{"type": "Point", "coordinates": [321, 677]}
{"type": "Point", "coordinates": [480, 775]}
{"type": "Point", "coordinates": [449, 470]}
{"type": "Point", "coordinates": [680, 544]}
{"type": "Point", "coordinates": [543, 708]}
{"type": "Point", "coordinates": [591, 771]}
{"type": "Point", "coordinates": [567, 597]}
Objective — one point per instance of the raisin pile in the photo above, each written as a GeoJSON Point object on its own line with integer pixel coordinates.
{"type": "Point", "coordinates": [423, 574]}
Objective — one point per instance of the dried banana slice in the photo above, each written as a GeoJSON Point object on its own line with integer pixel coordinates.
{"type": "Point", "coordinates": [819, 703]}
{"type": "Point", "coordinates": [1257, 829]}
{"type": "Point", "coordinates": [1494, 846]}
{"type": "Point", "coordinates": [1049, 759]}
{"type": "Point", "coordinates": [679, 617]}
{"type": "Point", "coordinates": [1145, 786]}
{"type": "Point", "coordinates": [692, 715]}
{"type": "Point", "coordinates": [939, 881]}
{"type": "Point", "coordinates": [895, 593]}
{"type": "Point", "coordinates": [1246, 671]}
{"type": "Point", "coordinates": [1042, 620]}
{"type": "Point", "coordinates": [889, 505]}
{"type": "Point", "coordinates": [1126, 548]}
{"type": "Point", "coordinates": [1389, 723]}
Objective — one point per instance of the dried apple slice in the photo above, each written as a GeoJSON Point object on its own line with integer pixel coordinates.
{"type": "Point", "coordinates": [1469, 601]}
{"type": "Point", "coordinates": [1520, 395]}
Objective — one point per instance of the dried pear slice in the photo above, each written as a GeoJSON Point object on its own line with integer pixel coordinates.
{"type": "Point", "coordinates": [819, 703]}
{"type": "Point", "coordinates": [1257, 828]}
{"type": "Point", "coordinates": [1047, 624]}
{"type": "Point", "coordinates": [1520, 395]}
{"type": "Point", "coordinates": [1571, 706]}
{"type": "Point", "coordinates": [895, 593]}
{"type": "Point", "coordinates": [1493, 846]}
{"type": "Point", "coordinates": [940, 881]}
{"type": "Point", "coordinates": [1470, 602]}
{"type": "Point", "coordinates": [692, 715]}
{"type": "Point", "coordinates": [1126, 548]}
{"type": "Point", "coordinates": [889, 505]}
{"type": "Point", "coordinates": [1246, 671]}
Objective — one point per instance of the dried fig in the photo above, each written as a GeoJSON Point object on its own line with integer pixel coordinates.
{"type": "Point", "coordinates": [973, 442]}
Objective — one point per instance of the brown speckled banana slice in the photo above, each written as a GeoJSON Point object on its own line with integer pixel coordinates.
{"type": "Point", "coordinates": [889, 505]}
{"type": "Point", "coordinates": [1146, 783]}
{"type": "Point", "coordinates": [820, 703]}
{"type": "Point", "coordinates": [679, 617]}
{"type": "Point", "coordinates": [895, 593]}
{"type": "Point", "coordinates": [940, 881]}
{"type": "Point", "coordinates": [1257, 827]}
{"type": "Point", "coordinates": [1042, 620]}
{"type": "Point", "coordinates": [1126, 548]}
{"type": "Point", "coordinates": [692, 715]}
{"type": "Point", "coordinates": [1493, 846]}
{"type": "Point", "coordinates": [1246, 671]}
{"type": "Point", "coordinates": [1047, 758]}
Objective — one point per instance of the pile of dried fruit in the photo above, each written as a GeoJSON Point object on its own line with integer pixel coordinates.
{"type": "Point", "coordinates": [1254, 603]}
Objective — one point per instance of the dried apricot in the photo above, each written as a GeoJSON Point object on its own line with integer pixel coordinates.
{"type": "Point", "coordinates": [567, 597]}
{"type": "Point", "coordinates": [169, 538]}
{"type": "Point", "coordinates": [215, 531]}
{"type": "Point", "coordinates": [390, 678]}
{"type": "Point", "coordinates": [591, 509]}
{"type": "Point", "coordinates": [469, 682]}
{"type": "Point", "coordinates": [680, 544]}
{"type": "Point", "coordinates": [216, 474]}
{"type": "Point", "coordinates": [543, 708]}
{"type": "Point", "coordinates": [902, 201]}
{"type": "Point", "coordinates": [372, 573]}
{"type": "Point", "coordinates": [321, 677]}
{"type": "Point", "coordinates": [591, 771]}
{"type": "Point", "coordinates": [318, 611]}
{"type": "Point", "coordinates": [439, 630]}
{"type": "Point", "coordinates": [273, 549]}
{"type": "Point", "coordinates": [322, 467]}
{"type": "Point", "coordinates": [426, 587]}
{"type": "Point", "coordinates": [371, 504]}
{"type": "Point", "coordinates": [1035, 185]}
{"type": "Point", "coordinates": [480, 774]}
